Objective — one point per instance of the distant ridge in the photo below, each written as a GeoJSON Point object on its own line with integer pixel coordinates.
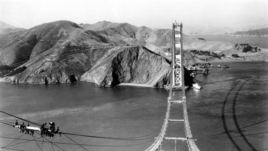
{"type": "Point", "coordinates": [255, 32]}
{"type": "Point", "coordinates": [5, 25]}
{"type": "Point", "coordinates": [6, 28]}
{"type": "Point", "coordinates": [101, 25]}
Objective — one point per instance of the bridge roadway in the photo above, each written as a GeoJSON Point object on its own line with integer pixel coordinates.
{"type": "Point", "coordinates": [176, 106]}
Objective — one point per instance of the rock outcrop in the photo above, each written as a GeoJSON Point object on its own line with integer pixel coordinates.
{"type": "Point", "coordinates": [135, 64]}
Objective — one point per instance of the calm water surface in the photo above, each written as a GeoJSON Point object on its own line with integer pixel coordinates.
{"type": "Point", "coordinates": [230, 111]}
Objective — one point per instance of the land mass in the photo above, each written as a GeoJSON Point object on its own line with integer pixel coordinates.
{"type": "Point", "coordinates": [254, 32]}
{"type": "Point", "coordinates": [105, 53]}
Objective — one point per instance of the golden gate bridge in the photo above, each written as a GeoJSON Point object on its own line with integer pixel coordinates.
{"type": "Point", "coordinates": [183, 139]}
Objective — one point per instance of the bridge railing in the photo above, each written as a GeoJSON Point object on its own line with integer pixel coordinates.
{"type": "Point", "coordinates": [190, 141]}
{"type": "Point", "coordinates": [159, 139]}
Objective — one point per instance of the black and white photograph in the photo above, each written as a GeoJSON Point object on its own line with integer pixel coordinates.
{"type": "Point", "coordinates": [133, 75]}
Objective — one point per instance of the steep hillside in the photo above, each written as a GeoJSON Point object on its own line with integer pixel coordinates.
{"type": "Point", "coordinates": [17, 48]}
{"type": "Point", "coordinates": [62, 64]}
{"type": "Point", "coordinates": [62, 51]}
{"type": "Point", "coordinates": [102, 66]}
{"type": "Point", "coordinates": [120, 34]}
{"type": "Point", "coordinates": [50, 53]}
{"type": "Point", "coordinates": [136, 65]}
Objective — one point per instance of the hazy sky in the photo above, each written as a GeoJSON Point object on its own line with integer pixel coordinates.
{"type": "Point", "coordinates": [152, 13]}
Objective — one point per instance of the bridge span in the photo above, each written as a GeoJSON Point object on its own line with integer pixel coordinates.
{"type": "Point", "coordinates": [176, 118]}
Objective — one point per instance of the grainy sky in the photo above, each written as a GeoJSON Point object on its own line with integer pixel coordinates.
{"type": "Point", "coordinates": [153, 13]}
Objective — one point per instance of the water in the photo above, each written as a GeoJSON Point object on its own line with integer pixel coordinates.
{"type": "Point", "coordinates": [247, 84]}
{"type": "Point", "coordinates": [137, 113]}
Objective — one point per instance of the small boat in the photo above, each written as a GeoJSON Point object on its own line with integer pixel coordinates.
{"type": "Point", "coordinates": [197, 86]}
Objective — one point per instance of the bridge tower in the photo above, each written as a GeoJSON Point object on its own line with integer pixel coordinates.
{"type": "Point", "coordinates": [175, 134]}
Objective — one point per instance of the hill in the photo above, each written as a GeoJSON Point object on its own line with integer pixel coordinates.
{"type": "Point", "coordinates": [18, 47]}
{"type": "Point", "coordinates": [62, 52]}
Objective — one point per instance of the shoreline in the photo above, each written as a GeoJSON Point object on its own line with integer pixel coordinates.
{"type": "Point", "coordinates": [135, 85]}
{"type": "Point", "coordinates": [4, 80]}
{"type": "Point", "coordinates": [11, 78]}
{"type": "Point", "coordinates": [240, 61]}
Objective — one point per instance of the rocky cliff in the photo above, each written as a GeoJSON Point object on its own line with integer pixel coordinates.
{"type": "Point", "coordinates": [136, 65]}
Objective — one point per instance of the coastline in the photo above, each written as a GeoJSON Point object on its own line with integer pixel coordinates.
{"type": "Point", "coordinates": [10, 80]}
{"type": "Point", "coordinates": [135, 85]}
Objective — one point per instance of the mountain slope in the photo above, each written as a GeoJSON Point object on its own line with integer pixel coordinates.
{"type": "Point", "coordinates": [136, 65]}
{"type": "Point", "coordinates": [62, 51]}
{"type": "Point", "coordinates": [19, 47]}
{"type": "Point", "coordinates": [127, 34]}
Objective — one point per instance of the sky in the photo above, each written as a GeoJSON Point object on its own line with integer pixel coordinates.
{"type": "Point", "coordinates": [152, 13]}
